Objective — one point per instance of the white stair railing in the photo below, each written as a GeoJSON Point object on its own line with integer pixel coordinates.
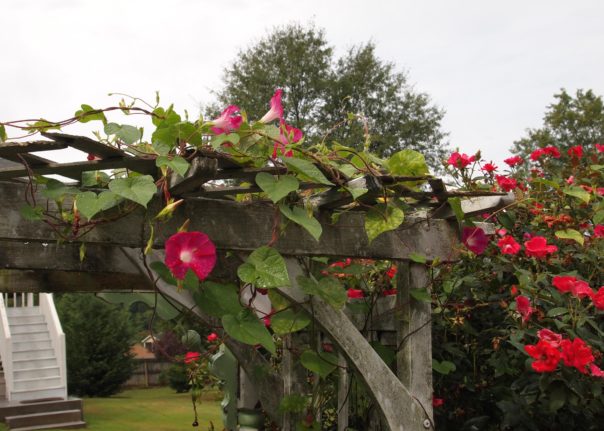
{"type": "Point", "coordinates": [47, 307]}
{"type": "Point", "coordinates": [6, 349]}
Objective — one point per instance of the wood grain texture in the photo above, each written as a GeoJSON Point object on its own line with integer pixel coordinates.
{"type": "Point", "coordinates": [245, 227]}
{"type": "Point", "coordinates": [398, 406]}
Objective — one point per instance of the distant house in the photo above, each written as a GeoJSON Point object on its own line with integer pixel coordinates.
{"type": "Point", "coordinates": [149, 342]}
{"type": "Point", "coordinates": [148, 366]}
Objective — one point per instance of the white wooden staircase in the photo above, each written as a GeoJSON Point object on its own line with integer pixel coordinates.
{"type": "Point", "coordinates": [32, 350]}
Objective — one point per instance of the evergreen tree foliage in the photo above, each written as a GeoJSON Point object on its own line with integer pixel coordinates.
{"type": "Point", "coordinates": [98, 337]}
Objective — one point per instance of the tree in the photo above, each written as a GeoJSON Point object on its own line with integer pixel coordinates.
{"type": "Point", "coordinates": [98, 338]}
{"type": "Point", "coordinates": [293, 58]}
{"type": "Point", "coordinates": [569, 121]}
{"type": "Point", "coordinates": [320, 91]}
{"type": "Point", "coordinates": [397, 117]}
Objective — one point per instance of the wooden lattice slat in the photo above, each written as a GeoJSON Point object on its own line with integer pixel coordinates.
{"type": "Point", "coordinates": [9, 149]}
{"type": "Point", "coordinates": [75, 169]}
{"type": "Point", "coordinates": [86, 145]}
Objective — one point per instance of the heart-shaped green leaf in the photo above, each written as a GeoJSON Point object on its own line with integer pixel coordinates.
{"type": "Point", "coordinates": [444, 367]}
{"type": "Point", "coordinates": [89, 203]}
{"type": "Point", "coordinates": [578, 192]}
{"type": "Point", "coordinates": [570, 234]}
{"type": "Point", "coordinates": [319, 363]}
{"type": "Point", "coordinates": [177, 164]}
{"type": "Point", "coordinates": [218, 299]}
{"type": "Point", "coordinates": [264, 268]}
{"type": "Point", "coordinates": [138, 189]}
{"type": "Point", "coordinates": [382, 218]}
{"type": "Point", "coordinates": [276, 188]}
{"type": "Point", "coordinates": [328, 288]}
{"type": "Point", "coordinates": [288, 321]}
{"type": "Point", "coordinates": [164, 273]}
{"type": "Point", "coordinates": [56, 190]}
{"type": "Point", "coordinates": [128, 134]}
{"type": "Point", "coordinates": [87, 113]}
{"type": "Point", "coordinates": [407, 163]}
{"type": "Point", "coordinates": [303, 218]}
{"type": "Point", "coordinates": [247, 328]}
{"type": "Point", "coordinates": [307, 169]}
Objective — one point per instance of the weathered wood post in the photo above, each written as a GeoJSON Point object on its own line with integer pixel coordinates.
{"type": "Point", "coordinates": [414, 336]}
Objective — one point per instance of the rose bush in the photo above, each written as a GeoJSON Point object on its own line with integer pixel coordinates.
{"type": "Point", "coordinates": [519, 321]}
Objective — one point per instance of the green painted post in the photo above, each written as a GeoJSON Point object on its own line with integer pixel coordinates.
{"type": "Point", "coordinates": [224, 366]}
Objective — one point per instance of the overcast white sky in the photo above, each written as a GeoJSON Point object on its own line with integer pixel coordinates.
{"type": "Point", "coordinates": [493, 66]}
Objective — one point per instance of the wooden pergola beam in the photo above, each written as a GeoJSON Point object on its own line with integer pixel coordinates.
{"type": "Point", "coordinates": [245, 227]}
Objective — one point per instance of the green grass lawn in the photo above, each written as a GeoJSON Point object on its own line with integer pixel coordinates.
{"type": "Point", "coordinates": [157, 409]}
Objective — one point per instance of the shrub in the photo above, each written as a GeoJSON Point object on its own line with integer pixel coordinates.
{"type": "Point", "coordinates": [98, 338]}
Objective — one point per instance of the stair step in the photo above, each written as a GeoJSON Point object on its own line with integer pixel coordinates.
{"type": "Point", "coordinates": [31, 373]}
{"type": "Point", "coordinates": [36, 383]}
{"type": "Point", "coordinates": [24, 346]}
{"type": "Point", "coordinates": [31, 336]}
{"type": "Point", "coordinates": [24, 364]}
{"type": "Point", "coordinates": [39, 394]}
{"type": "Point", "coordinates": [32, 318]}
{"type": "Point", "coordinates": [22, 311]}
{"type": "Point", "coordinates": [64, 425]}
{"type": "Point", "coordinates": [17, 409]}
{"type": "Point", "coordinates": [45, 418]}
{"type": "Point", "coordinates": [27, 363]}
{"type": "Point", "coordinates": [28, 328]}
{"type": "Point", "coordinates": [33, 354]}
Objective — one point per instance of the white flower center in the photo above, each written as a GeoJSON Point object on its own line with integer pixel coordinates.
{"type": "Point", "coordinates": [186, 256]}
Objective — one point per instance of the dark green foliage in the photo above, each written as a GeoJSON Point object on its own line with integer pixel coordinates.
{"type": "Point", "coordinates": [176, 377]}
{"type": "Point", "coordinates": [98, 338]}
{"type": "Point", "coordinates": [569, 121]}
{"type": "Point", "coordinates": [320, 91]}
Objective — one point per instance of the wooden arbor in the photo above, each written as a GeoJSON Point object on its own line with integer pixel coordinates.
{"type": "Point", "coordinates": [33, 261]}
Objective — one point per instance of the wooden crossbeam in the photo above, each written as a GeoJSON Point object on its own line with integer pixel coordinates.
{"type": "Point", "coordinates": [75, 169]}
{"type": "Point", "coordinates": [8, 149]}
{"type": "Point", "coordinates": [86, 145]}
{"type": "Point", "coordinates": [245, 227]}
{"type": "Point", "coordinates": [202, 169]}
{"type": "Point", "coordinates": [35, 162]}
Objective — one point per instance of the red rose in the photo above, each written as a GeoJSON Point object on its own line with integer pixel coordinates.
{"type": "Point", "coordinates": [599, 231]}
{"type": "Point", "coordinates": [576, 354]}
{"type": "Point", "coordinates": [576, 151]}
{"type": "Point", "coordinates": [489, 167]}
{"type": "Point", "coordinates": [598, 298]}
{"type": "Point", "coordinates": [460, 161]}
{"type": "Point", "coordinates": [513, 161]}
{"type": "Point", "coordinates": [546, 356]}
{"type": "Point", "coordinates": [537, 247]}
{"type": "Point", "coordinates": [192, 357]}
{"type": "Point", "coordinates": [212, 337]}
{"type": "Point", "coordinates": [507, 184]}
{"type": "Point", "coordinates": [391, 272]}
{"type": "Point", "coordinates": [437, 402]}
{"type": "Point", "coordinates": [523, 306]}
{"type": "Point", "coordinates": [508, 245]}
{"type": "Point", "coordinates": [355, 293]}
{"type": "Point", "coordinates": [595, 370]}
{"type": "Point", "coordinates": [550, 336]}
{"type": "Point", "coordinates": [570, 284]}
